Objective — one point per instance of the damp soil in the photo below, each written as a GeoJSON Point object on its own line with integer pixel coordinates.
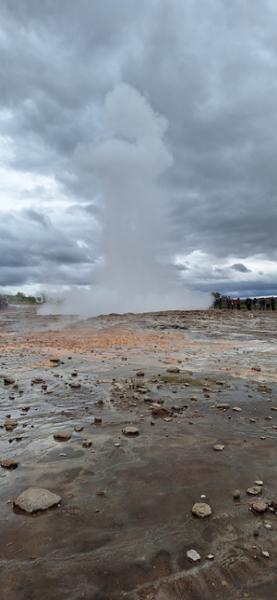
{"type": "Point", "coordinates": [124, 524]}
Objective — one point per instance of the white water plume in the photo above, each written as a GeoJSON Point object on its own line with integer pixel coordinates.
{"type": "Point", "coordinates": [129, 162]}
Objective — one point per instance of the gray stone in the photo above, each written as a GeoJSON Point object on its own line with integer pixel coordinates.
{"type": "Point", "coordinates": [130, 430]}
{"type": "Point", "coordinates": [254, 490]}
{"type": "Point", "coordinates": [260, 506]}
{"type": "Point", "coordinates": [36, 499]}
{"type": "Point", "coordinates": [62, 436]}
{"type": "Point", "coordinates": [219, 447]}
{"type": "Point", "coordinates": [193, 555]}
{"type": "Point", "coordinates": [201, 510]}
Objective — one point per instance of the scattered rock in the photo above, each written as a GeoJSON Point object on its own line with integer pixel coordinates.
{"type": "Point", "coordinates": [140, 373]}
{"type": "Point", "coordinates": [130, 430]}
{"type": "Point", "coordinates": [10, 424]}
{"type": "Point", "coordinates": [8, 463]}
{"type": "Point", "coordinates": [173, 370]}
{"type": "Point", "coordinates": [237, 409]}
{"type": "Point", "coordinates": [87, 444]}
{"type": "Point", "coordinates": [259, 506]}
{"type": "Point", "coordinates": [193, 555]}
{"type": "Point", "coordinates": [55, 361]}
{"type": "Point", "coordinates": [36, 499]}
{"type": "Point", "coordinates": [254, 490]}
{"type": "Point", "coordinates": [97, 420]}
{"type": "Point", "coordinates": [62, 436]}
{"type": "Point", "coordinates": [201, 510]}
{"type": "Point", "coordinates": [78, 428]}
{"type": "Point", "coordinates": [75, 385]}
{"type": "Point", "coordinates": [265, 554]}
{"type": "Point", "coordinates": [160, 411]}
{"type": "Point", "coordinates": [259, 482]}
{"type": "Point", "coordinates": [219, 447]}
{"type": "Point", "coordinates": [8, 380]}
{"type": "Point", "coordinates": [251, 420]}
{"type": "Point", "coordinates": [223, 406]}
{"type": "Point", "coordinates": [236, 494]}
{"type": "Point", "coordinates": [210, 557]}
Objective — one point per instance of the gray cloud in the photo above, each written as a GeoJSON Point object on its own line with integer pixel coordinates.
{"type": "Point", "coordinates": [240, 267]}
{"type": "Point", "coordinates": [38, 252]}
{"type": "Point", "coordinates": [208, 66]}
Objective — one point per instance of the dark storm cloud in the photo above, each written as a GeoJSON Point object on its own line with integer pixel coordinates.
{"type": "Point", "coordinates": [241, 268]}
{"type": "Point", "coordinates": [208, 66]}
{"type": "Point", "coordinates": [35, 251]}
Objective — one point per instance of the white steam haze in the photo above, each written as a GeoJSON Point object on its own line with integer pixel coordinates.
{"type": "Point", "coordinates": [129, 162]}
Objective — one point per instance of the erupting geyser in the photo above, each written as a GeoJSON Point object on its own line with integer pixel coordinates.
{"type": "Point", "coordinates": [128, 163]}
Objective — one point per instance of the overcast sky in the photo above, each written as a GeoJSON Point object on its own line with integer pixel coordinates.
{"type": "Point", "coordinates": [208, 66]}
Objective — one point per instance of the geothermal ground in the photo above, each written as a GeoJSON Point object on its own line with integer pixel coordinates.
{"type": "Point", "coordinates": [184, 382]}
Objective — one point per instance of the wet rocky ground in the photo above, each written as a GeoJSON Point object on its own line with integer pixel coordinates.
{"type": "Point", "coordinates": [130, 420]}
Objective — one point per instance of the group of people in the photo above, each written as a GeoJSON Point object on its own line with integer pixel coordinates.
{"type": "Point", "coordinates": [250, 303]}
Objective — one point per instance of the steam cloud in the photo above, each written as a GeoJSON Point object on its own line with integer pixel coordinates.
{"type": "Point", "coordinates": [129, 163]}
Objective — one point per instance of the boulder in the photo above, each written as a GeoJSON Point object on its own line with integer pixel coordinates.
{"type": "Point", "coordinates": [36, 499]}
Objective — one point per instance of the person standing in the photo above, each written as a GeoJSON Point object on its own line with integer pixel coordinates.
{"type": "Point", "coordinates": [248, 303]}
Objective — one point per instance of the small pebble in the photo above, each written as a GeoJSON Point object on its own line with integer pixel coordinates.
{"type": "Point", "coordinates": [219, 447]}
{"type": "Point", "coordinates": [193, 555]}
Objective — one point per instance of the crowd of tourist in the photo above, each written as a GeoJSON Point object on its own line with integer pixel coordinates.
{"type": "Point", "coordinates": [248, 303]}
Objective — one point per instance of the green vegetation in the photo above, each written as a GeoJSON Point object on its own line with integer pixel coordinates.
{"type": "Point", "coordinates": [21, 298]}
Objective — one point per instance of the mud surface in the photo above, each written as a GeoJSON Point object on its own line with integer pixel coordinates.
{"type": "Point", "coordinates": [124, 524]}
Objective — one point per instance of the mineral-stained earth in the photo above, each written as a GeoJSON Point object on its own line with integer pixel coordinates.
{"type": "Point", "coordinates": [120, 416]}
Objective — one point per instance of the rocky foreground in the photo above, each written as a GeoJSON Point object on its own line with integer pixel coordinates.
{"type": "Point", "coordinates": [138, 456]}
